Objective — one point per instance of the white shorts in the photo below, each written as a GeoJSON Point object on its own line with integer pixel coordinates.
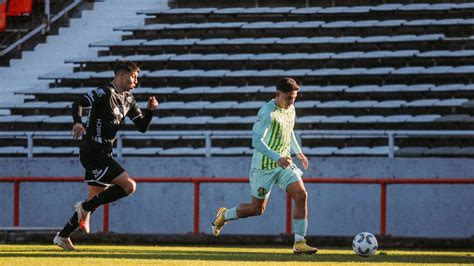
{"type": "Point", "coordinates": [262, 181]}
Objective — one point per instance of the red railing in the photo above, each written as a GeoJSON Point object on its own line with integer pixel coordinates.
{"type": "Point", "coordinates": [383, 182]}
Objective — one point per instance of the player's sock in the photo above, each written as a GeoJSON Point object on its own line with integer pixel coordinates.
{"type": "Point", "coordinates": [298, 238]}
{"type": "Point", "coordinates": [71, 226]}
{"type": "Point", "coordinates": [299, 227]}
{"type": "Point", "coordinates": [231, 214]}
{"type": "Point", "coordinates": [109, 195]}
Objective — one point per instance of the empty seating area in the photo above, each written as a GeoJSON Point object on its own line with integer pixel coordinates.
{"type": "Point", "coordinates": [23, 19]}
{"type": "Point", "coordinates": [376, 79]}
{"type": "Point", "coordinates": [286, 13]}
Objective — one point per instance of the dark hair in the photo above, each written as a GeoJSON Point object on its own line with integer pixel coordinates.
{"type": "Point", "coordinates": [287, 85]}
{"type": "Point", "coordinates": [125, 65]}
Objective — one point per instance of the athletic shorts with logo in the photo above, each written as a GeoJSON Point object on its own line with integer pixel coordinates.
{"type": "Point", "coordinates": [101, 168]}
{"type": "Point", "coordinates": [262, 181]}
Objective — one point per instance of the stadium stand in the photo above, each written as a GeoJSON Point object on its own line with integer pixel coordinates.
{"type": "Point", "coordinates": [377, 79]}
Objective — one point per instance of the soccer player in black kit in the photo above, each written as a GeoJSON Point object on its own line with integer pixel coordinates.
{"type": "Point", "coordinates": [107, 181]}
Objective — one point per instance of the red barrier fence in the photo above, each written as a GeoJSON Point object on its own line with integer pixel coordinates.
{"type": "Point", "coordinates": [3, 16]}
{"type": "Point", "coordinates": [383, 182]}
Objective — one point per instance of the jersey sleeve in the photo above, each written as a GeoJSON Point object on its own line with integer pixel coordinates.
{"type": "Point", "coordinates": [92, 98]}
{"type": "Point", "coordinates": [259, 131]}
{"type": "Point", "coordinates": [142, 120]}
{"type": "Point", "coordinates": [294, 146]}
{"type": "Point", "coordinates": [134, 112]}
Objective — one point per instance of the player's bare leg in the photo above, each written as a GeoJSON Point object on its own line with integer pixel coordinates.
{"type": "Point", "coordinates": [300, 221]}
{"type": "Point", "coordinates": [255, 208]}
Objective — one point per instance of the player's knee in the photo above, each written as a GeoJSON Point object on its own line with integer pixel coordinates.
{"type": "Point", "coordinates": [301, 197]}
{"type": "Point", "coordinates": [258, 210]}
{"type": "Point", "coordinates": [131, 187]}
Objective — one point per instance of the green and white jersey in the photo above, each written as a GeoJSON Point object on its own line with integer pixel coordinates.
{"type": "Point", "coordinates": [273, 136]}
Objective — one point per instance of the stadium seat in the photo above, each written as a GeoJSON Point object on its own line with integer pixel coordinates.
{"type": "Point", "coordinates": [454, 118]}
{"type": "Point", "coordinates": [222, 105]}
{"type": "Point", "coordinates": [12, 150]}
{"type": "Point", "coordinates": [352, 151]}
{"type": "Point", "coordinates": [423, 118]}
{"type": "Point", "coordinates": [183, 151]}
{"type": "Point", "coordinates": [232, 151]}
{"type": "Point", "coordinates": [442, 151]}
{"type": "Point", "coordinates": [410, 151]}
{"type": "Point", "coordinates": [320, 151]}
{"type": "Point", "coordinates": [195, 90]}
{"type": "Point", "coordinates": [169, 120]}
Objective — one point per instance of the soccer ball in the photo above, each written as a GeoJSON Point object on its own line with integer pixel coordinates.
{"type": "Point", "coordinates": [364, 244]}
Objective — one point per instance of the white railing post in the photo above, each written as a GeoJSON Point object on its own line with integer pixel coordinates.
{"type": "Point", "coordinates": [391, 144]}
{"type": "Point", "coordinates": [47, 13]}
{"type": "Point", "coordinates": [29, 147]}
{"type": "Point", "coordinates": [208, 143]}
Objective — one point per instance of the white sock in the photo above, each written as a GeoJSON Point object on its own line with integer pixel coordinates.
{"type": "Point", "coordinates": [298, 238]}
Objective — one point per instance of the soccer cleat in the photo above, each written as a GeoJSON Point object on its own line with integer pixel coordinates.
{"type": "Point", "coordinates": [300, 247]}
{"type": "Point", "coordinates": [83, 217]}
{"type": "Point", "coordinates": [63, 242]}
{"type": "Point", "coordinates": [219, 222]}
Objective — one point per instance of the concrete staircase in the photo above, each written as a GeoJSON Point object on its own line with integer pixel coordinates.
{"type": "Point", "coordinates": [94, 25]}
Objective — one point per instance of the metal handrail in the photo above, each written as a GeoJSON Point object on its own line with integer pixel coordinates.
{"type": "Point", "coordinates": [209, 135]}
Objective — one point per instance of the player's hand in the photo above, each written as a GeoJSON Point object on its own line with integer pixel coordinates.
{"type": "Point", "coordinates": [152, 103]}
{"type": "Point", "coordinates": [78, 130]}
{"type": "Point", "coordinates": [303, 159]}
{"type": "Point", "coordinates": [284, 162]}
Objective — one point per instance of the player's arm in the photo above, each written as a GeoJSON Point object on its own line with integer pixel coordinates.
{"type": "Point", "coordinates": [259, 131]}
{"type": "Point", "coordinates": [295, 147]}
{"type": "Point", "coordinates": [84, 101]}
{"type": "Point", "coordinates": [143, 120]}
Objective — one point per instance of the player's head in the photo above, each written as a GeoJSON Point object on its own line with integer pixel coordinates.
{"type": "Point", "coordinates": [126, 75]}
{"type": "Point", "coordinates": [287, 91]}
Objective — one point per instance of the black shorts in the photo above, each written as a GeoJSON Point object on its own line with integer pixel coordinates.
{"type": "Point", "coordinates": [101, 168]}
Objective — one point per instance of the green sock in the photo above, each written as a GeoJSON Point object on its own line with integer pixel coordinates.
{"type": "Point", "coordinates": [300, 226]}
{"type": "Point", "coordinates": [231, 214]}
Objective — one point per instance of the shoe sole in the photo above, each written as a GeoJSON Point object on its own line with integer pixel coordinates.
{"type": "Point", "coordinates": [214, 230]}
{"type": "Point", "coordinates": [65, 249]}
{"type": "Point", "coordinates": [57, 243]}
{"type": "Point", "coordinates": [304, 252]}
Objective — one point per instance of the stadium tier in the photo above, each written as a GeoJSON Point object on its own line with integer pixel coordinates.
{"type": "Point", "coordinates": [376, 80]}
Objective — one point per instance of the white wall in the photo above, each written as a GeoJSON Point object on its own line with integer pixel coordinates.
{"type": "Point", "coordinates": [335, 209]}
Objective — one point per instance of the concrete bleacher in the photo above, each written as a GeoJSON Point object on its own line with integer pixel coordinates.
{"type": "Point", "coordinates": [290, 61]}
{"type": "Point", "coordinates": [393, 67]}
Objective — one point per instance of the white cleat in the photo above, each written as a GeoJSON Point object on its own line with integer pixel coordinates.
{"type": "Point", "coordinates": [83, 217]}
{"type": "Point", "coordinates": [63, 242]}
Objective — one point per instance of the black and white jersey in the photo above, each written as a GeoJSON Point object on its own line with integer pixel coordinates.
{"type": "Point", "coordinates": [108, 111]}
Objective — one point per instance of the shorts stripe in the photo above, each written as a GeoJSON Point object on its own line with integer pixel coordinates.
{"type": "Point", "coordinates": [103, 173]}
{"type": "Point", "coordinates": [100, 183]}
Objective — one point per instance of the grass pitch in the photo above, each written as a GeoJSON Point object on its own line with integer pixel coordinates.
{"type": "Point", "coordinates": [200, 255]}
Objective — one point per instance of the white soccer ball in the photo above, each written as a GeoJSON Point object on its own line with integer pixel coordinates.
{"type": "Point", "coordinates": [364, 244]}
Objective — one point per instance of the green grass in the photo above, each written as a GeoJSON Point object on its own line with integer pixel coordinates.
{"type": "Point", "coordinates": [226, 256]}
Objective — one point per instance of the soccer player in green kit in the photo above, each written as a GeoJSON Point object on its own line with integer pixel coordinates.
{"type": "Point", "coordinates": [273, 138]}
